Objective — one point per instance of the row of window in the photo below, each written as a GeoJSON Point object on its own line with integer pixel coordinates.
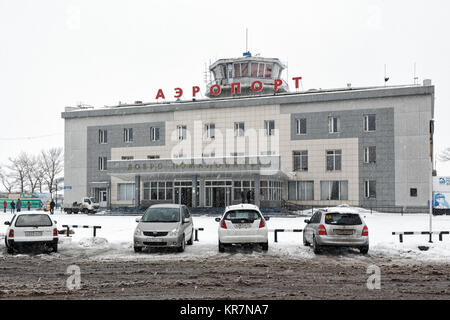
{"type": "Point", "coordinates": [334, 124]}
{"type": "Point", "coordinates": [239, 130]}
{"type": "Point", "coordinates": [270, 190]}
{"type": "Point", "coordinates": [329, 190]}
{"type": "Point", "coordinates": [154, 132]}
{"type": "Point", "coordinates": [128, 135]}
{"type": "Point", "coordinates": [163, 190]}
{"type": "Point", "coordinates": [333, 159]}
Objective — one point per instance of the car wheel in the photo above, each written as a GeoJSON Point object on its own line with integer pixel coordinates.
{"type": "Point", "coordinates": [191, 240]}
{"type": "Point", "coordinates": [265, 246]}
{"type": "Point", "coordinates": [305, 242]}
{"type": "Point", "coordinates": [221, 247]}
{"type": "Point", "coordinates": [364, 250]}
{"type": "Point", "coordinates": [316, 247]}
{"type": "Point", "coordinates": [69, 211]}
{"type": "Point", "coordinates": [182, 245]}
{"type": "Point", "coordinates": [85, 211]}
{"type": "Point", "coordinates": [137, 249]}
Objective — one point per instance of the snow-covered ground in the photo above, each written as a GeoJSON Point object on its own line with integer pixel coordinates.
{"type": "Point", "coordinates": [114, 239]}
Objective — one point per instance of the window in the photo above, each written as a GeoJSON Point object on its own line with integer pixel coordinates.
{"type": "Point", "coordinates": [181, 132]}
{"type": "Point", "coordinates": [316, 217]}
{"type": "Point", "coordinates": [300, 160]}
{"type": "Point", "coordinates": [241, 189]}
{"type": "Point", "coordinates": [334, 160]}
{"type": "Point", "coordinates": [127, 158]}
{"type": "Point", "coordinates": [102, 136]}
{"type": "Point", "coordinates": [102, 163]}
{"type": "Point", "coordinates": [369, 123]}
{"type": "Point", "coordinates": [269, 126]}
{"type": "Point", "coordinates": [239, 129]}
{"type": "Point", "coordinates": [158, 190]}
{"type": "Point", "coordinates": [240, 70]}
{"type": "Point", "coordinates": [413, 192]}
{"type": "Point", "coordinates": [128, 135]}
{"type": "Point", "coordinates": [334, 124]}
{"type": "Point", "coordinates": [210, 130]}
{"type": "Point", "coordinates": [154, 134]}
{"type": "Point", "coordinates": [370, 189]}
{"type": "Point", "coordinates": [370, 154]}
{"type": "Point", "coordinates": [334, 190]}
{"type": "Point", "coordinates": [126, 191]}
{"type": "Point", "coordinates": [271, 190]}
{"type": "Point", "coordinates": [301, 190]}
{"type": "Point", "coordinates": [152, 157]}
{"type": "Point", "coordinates": [301, 126]}
{"type": "Point", "coordinates": [208, 155]}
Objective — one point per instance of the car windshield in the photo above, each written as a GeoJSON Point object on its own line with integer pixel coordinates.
{"type": "Point", "coordinates": [93, 200]}
{"type": "Point", "coordinates": [347, 219]}
{"type": "Point", "coordinates": [161, 215]}
{"type": "Point", "coordinates": [249, 215]}
{"type": "Point", "coordinates": [34, 220]}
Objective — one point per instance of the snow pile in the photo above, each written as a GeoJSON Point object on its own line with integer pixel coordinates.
{"type": "Point", "coordinates": [97, 242]}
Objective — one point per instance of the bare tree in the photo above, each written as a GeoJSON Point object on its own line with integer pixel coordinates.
{"type": "Point", "coordinates": [52, 166]}
{"type": "Point", "coordinates": [444, 155]}
{"type": "Point", "coordinates": [7, 181]}
{"type": "Point", "coordinates": [17, 167]}
{"type": "Point", "coordinates": [33, 172]}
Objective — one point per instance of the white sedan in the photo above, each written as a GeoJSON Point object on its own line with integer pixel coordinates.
{"type": "Point", "coordinates": [243, 224]}
{"type": "Point", "coordinates": [31, 229]}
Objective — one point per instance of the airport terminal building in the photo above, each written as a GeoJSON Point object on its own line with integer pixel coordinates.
{"type": "Point", "coordinates": [366, 147]}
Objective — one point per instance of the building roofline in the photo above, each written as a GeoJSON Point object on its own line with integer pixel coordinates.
{"type": "Point", "coordinates": [279, 98]}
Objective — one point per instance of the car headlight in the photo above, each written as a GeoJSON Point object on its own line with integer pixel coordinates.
{"type": "Point", "coordinates": [173, 233]}
{"type": "Point", "coordinates": [138, 232]}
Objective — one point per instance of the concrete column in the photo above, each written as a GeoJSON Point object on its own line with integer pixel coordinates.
{"type": "Point", "coordinates": [137, 190]}
{"type": "Point", "coordinates": [257, 179]}
{"type": "Point", "coordinates": [194, 191]}
{"type": "Point", "coordinates": [202, 199]}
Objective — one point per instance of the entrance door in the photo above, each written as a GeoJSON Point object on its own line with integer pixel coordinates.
{"type": "Point", "coordinates": [183, 195]}
{"type": "Point", "coordinates": [103, 198]}
{"type": "Point", "coordinates": [218, 197]}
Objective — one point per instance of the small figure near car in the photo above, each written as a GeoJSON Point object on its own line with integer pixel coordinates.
{"type": "Point", "coordinates": [19, 205]}
{"type": "Point", "coordinates": [52, 207]}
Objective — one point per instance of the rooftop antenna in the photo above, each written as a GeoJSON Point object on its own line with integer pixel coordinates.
{"type": "Point", "coordinates": [205, 74]}
{"type": "Point", "coordinates": [386, 78]}
{"type": "Point", "coordinates": [416, 78]}
{"type": "Point", "coordinates": [246, 53]}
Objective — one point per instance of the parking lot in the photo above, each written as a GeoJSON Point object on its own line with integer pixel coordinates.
{"type": "Point", "coordinates": [111, 269]}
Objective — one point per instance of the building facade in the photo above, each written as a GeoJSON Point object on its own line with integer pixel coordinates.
{"type": "Point", "coordinates": [360, 146]}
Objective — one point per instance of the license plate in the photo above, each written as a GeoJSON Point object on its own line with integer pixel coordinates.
{"type": "Point", "coordinates": [33, 233]}
{"type": "Point", "coordinates": [157, 240]}
{"type": "Point", "coordinates": [242, 225]}
{"type": "Point", "coordinates": [344, 232]}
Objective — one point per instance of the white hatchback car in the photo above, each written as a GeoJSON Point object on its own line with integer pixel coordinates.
{"type": "Point", "coordinates": [31, 229]}
{"type": "Point", "coordinates": [243, 223]}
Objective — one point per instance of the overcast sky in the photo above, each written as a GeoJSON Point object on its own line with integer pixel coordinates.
{"type": "Point", "coordinates": [59, 53]}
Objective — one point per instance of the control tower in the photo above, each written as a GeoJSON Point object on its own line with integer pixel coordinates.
{"type": "Point", "coordinates": [246, 70]}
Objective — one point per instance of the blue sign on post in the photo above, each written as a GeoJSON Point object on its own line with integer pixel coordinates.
{"type": "Point", "coordinates": [67, 187]}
